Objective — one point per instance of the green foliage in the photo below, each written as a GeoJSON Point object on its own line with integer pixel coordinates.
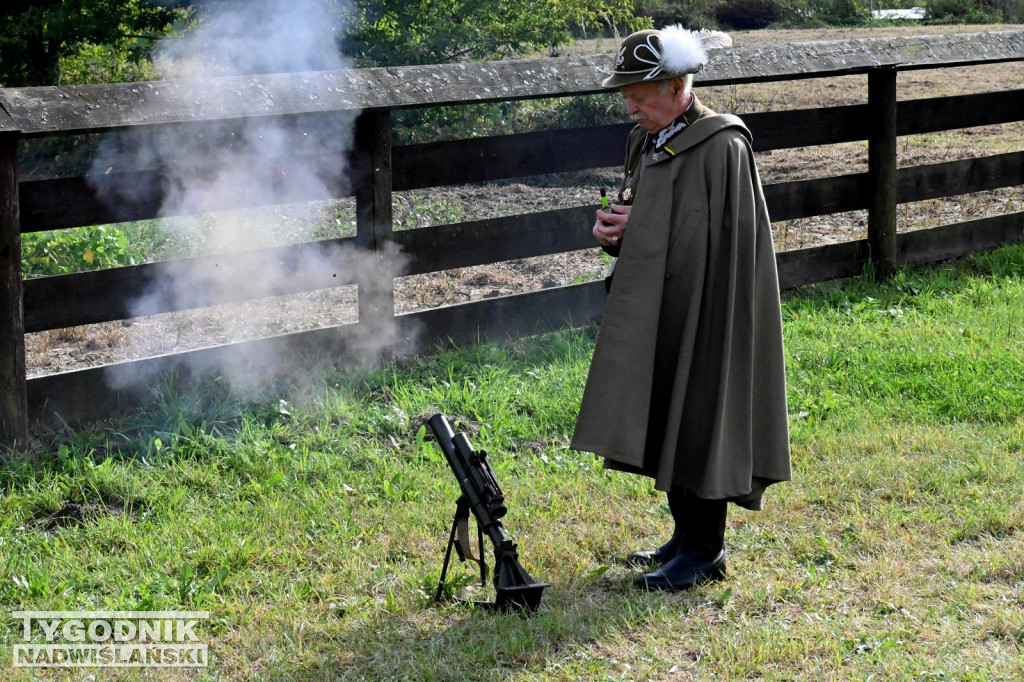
{"type": "Point", "coordinates": [506, 118]}
{"type": "Point", "coordinates": [576, 112]}
{"type": "Point", "coordinates": [397, 32]}
{"type": "Point", "coordinates": [974, 11]}
{"type": "Point", "coordinates": [826, 12]}
{"type": "Point", "coordinates": [1012, 10]}
{"type": "Point", "coordinates": [120, 62]}
{"type": "Point", "coordinates": [59, 252]}
{"type": "Point", "coordinates": [692, 14]}
{"type": "Point", "coordinates": [748, 14]}
{"type": "Point", "coordinates": [753, 14]}
{"type": "Point", "coordinates": [414, 211]}
{"type": "Point", "coordinates": [452, 123]}
{"type": "Point", "coordinates": [95, 38]}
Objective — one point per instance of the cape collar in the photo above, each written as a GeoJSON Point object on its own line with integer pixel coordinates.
{"type": "Point", "coordinates": [697, 130]}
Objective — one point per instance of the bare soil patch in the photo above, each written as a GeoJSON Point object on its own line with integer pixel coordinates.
{"type": "Point", "coordinates": [70, 349]}
{"type": "Point", "coordinates": [73, 514]}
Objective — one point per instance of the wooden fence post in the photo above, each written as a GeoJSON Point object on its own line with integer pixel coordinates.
{"type": "Point", "coordinates": [882, 169]}
{"type": "Point", "coordinates": [13, 393]}
{"type": "Point", "coordinates": [374, 227]}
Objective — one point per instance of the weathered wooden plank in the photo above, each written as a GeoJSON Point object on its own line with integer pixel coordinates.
{"type": "Point", "coordinates": [933, 181]}
{"type": "Point", "coordinates": [52, 110]}
{"type": "Point", "coordinates": [116, 197]}
{"type": "Point", "coordinates": [75, 202]}
{"type": "Point", "coordinates": [958, 239]}
{"type": "Point", "coordinates": [481, 159]}
{"type": "Point", "coordinates": [446, 247]}
{"type": "Point", "coordinates": [806, 198]}
{"type": "Point", "coordinates": [507, 317]}
{"type": "Point", "coordinates": [71, 109]}
{"type": "Point", "coordinates": [807, 127]}
{"type": "Point", "coordinates": [111, 390]}
{"type": "Point", "coordinates": [115, 389]}
{"type": "Point", "coordinates": [60, 203]}
{"type": "Point", "coordinates": [798, 267]}
{"type": "Point", "coordinates": [120, 293]}
{"type": "Point", "coordinates": [13, 406]}
{"type": "Point", "coordinates": [959, 111]}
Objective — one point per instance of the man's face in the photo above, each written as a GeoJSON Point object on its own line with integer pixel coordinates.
{"type": "Point", "coordinates": [653, 105]}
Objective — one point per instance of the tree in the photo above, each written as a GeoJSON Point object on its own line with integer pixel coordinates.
{"type": "Point", "coordinates": [45, 42]}
{"type": "Point", "coordinates": [400, 32]}
{"type": "Point", "coordinates": [38, 34]}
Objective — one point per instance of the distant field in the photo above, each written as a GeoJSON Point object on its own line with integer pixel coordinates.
{"type": "Point", "coordinates": [802, 35]}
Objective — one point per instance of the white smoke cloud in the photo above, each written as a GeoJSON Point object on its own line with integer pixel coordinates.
{"type": "Point", "coordinates": [261, 161]}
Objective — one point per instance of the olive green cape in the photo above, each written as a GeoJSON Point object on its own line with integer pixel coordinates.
{"type": "Point", "coordinates": [687, 383]}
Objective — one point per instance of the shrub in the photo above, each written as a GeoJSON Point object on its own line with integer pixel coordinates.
{"type": "Point", "coordinates": [825, 13]}
{"type": "Point", "coordinates": [692, 14]}
{"type": "Point", "coordinates": [969, 11]}
{"type": "Point", "coordinates": [60, 252]}
{"type": "Point", "coordinates": [505, 118]}
{"type": "Point", "coordinates": [748, 14]}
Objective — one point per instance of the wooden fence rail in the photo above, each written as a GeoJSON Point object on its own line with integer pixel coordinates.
{"type": "Point", "coordinates": [377, 169]}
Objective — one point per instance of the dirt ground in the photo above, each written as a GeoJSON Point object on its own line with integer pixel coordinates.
{"type": "Point", "coordinates": [69, 349]}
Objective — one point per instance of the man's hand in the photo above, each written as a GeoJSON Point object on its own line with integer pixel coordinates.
{"type": "Point", "coordinates": [611, 224]}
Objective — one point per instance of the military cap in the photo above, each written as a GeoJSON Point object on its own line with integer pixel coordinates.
{"type": "Point", "coordinates": [654, 55]}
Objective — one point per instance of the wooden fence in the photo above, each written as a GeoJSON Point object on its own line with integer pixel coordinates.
{"type": "Point", "coordinates": [379, 168]}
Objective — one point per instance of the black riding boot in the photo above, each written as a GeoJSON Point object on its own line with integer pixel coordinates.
{"type": "Point", "coordinates": [657, 557]}
{"type": "Point", "coordinates": [701, 555]}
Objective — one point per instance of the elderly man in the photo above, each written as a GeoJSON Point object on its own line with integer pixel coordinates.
{"type": "Point", "coordinates": [687, 383]}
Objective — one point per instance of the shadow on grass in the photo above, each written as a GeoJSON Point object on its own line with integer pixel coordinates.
{"type": "Point", "coordinates": [575, 632]}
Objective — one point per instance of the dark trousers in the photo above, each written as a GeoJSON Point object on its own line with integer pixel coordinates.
{"type": "Point", "coordinates": [700, 522]}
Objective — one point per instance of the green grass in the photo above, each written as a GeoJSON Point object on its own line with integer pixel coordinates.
{"type": "Point", "coordinates": [312, 524]}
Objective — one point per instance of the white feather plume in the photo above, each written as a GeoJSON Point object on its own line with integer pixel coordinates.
{"type": "Point", "coordinates": [684, 51]}
{"type": "Point", "coordinates": [712, 39]}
